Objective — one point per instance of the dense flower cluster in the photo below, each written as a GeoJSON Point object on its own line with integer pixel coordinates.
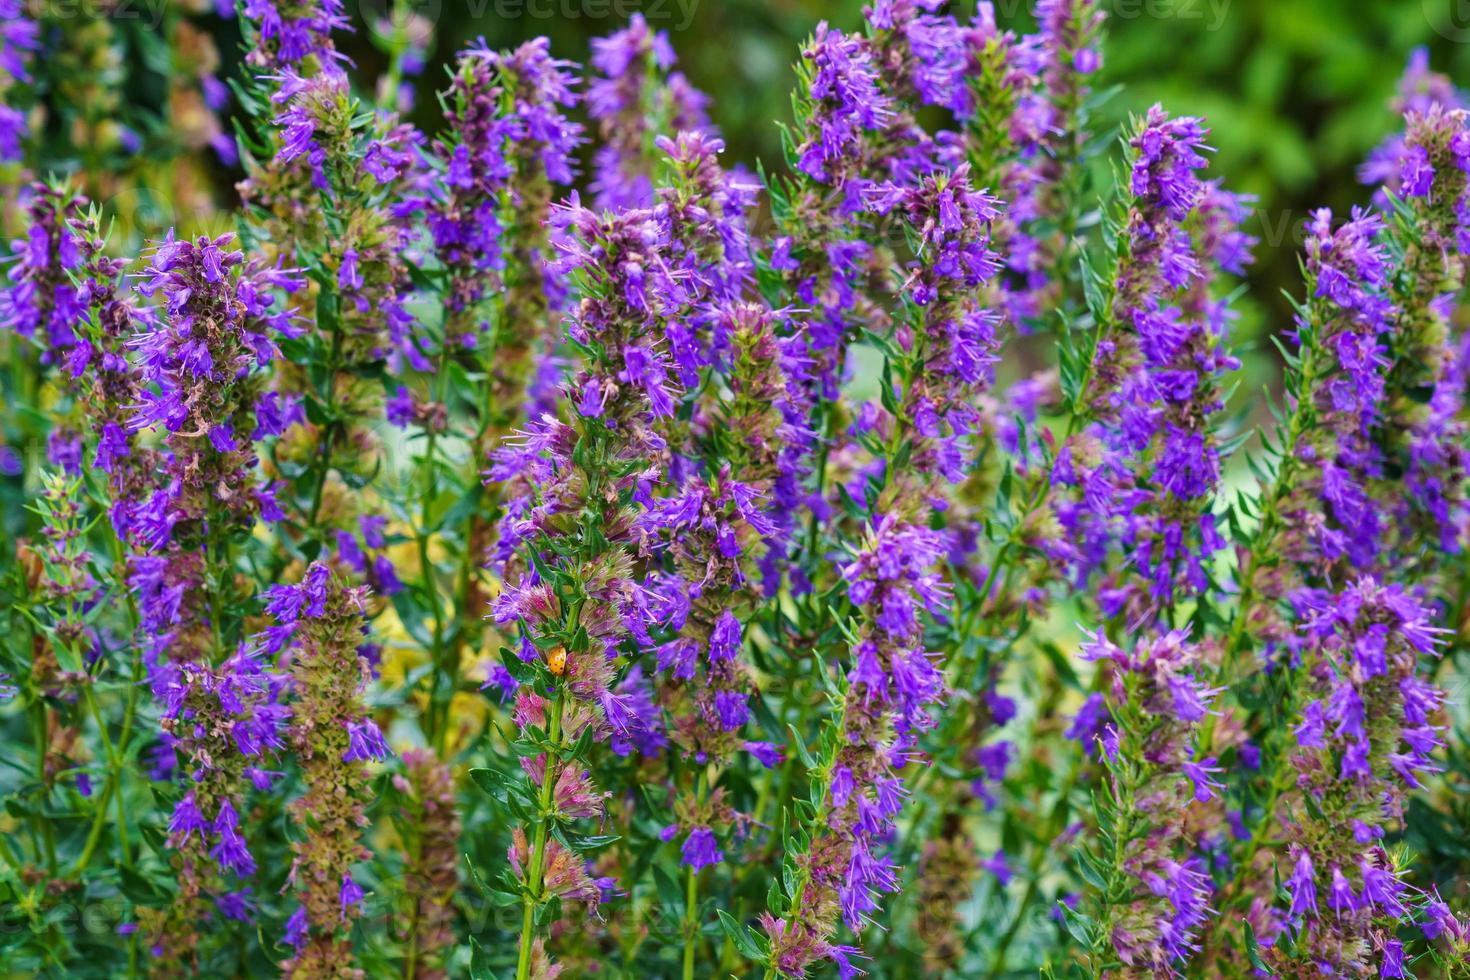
{"type": "Point", "coordinates": [1149, 465]}
{"type": "Point", "coordinates": [635, 98]}
{"type": "Point", "coordinates": [806, 570]}
{"type": "Point", "coordinates": [1364, 734]}
{"type": "Point", "coordinates": [510, 145]}
{"type": "Point", "coordinates": [1160, 891]}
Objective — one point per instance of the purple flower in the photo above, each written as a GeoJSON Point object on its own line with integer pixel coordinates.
{"type": "Point", "coordinates": [1382, 888]}
{"type": "Point", "coordinates": [1089, 721]}
{"type": "Point", "coordinates": [222, 437]}
{"type": "Point", "coordinates": [700, 848]}
{"type": "Point", "coordinates": [186, 818]}
{"type": "Point", "coordinates": [1199, 773]}
{"type": "Point", "coordinates": [846, 101]}
{"type": "Point", "coordinates": [590, 404]}
{"type": "Point", "coordinates": [1439, 920]}
{"type": "Point", "coordinates": [349, 276]}
{"type": "Point", "coordinates": [229, 850]}
{"type": "Point", "coordinates": [724, 641]}
{"type": "Point", "coordinates": [1393, 959]}
{"type": "Point", "coordinates": [636, 94]}
{"type": "Point", "coordinates": [349, 895]}
{"type": "Point", "coordinates": [64, 450]}
{"type": "Point", "coordinates": [733, 709]}
{"type": "Point", "coordinates": [1340, 897]}
{"type": "Point", "coordinates": [1303, 887]}
{"type": "Point", "coordinates": [1309, 732]}
{"type": "Point", "coordinates": [994, 759]}
{"type": "Point", "coordinates": [365, 742]}
{"type": "Point", "coordinates": [298, 927]}
{"type": "Point", "coordinates": [1190, 701]}
{"type": "Point", "coordinates": [768, 755]}
{"type": "Point", "coordinates": [997, 865]}
{"type": "Point", "coordinates": [237, 905]}
{"type": "Point", "coordinates": [291, 34]}
{"type": "Point", "coordinates": [1418, 173]}
{"type": "Point", "coordinates": [1168, 154]}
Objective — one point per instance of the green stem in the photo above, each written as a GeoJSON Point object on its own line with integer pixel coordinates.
{"type": "Point", "coordinates": [1281, 769]}
{"type": "Point", "coordinates": [116, 770]}
{"type": "Point", "coordinates": [130, 708]}
{"type": "Point", "coordinates": [95, 834]}
{"type": "Point", "coordinates": [691, 920]}
{"type": "Point", "coordinates": [783, 774]}
{"type": "Point", "coordinates": [124, 736]}
{"type": "Point", "coordinates": [114, 776]}
{"type": "Point", "coordinates": [47, 833]}
{"type": "Point", "coordinates": [532, 898]}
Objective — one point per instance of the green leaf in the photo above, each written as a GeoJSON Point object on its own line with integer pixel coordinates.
{"type": "Point", "coordinates": [802, 751]}
{"type": "Point", "coordinates": [492, 782]}
{"type": "Point", "coordinates": [1079, 925]}
{"type": "Point", "coordinates": [741, 936]}
{"type": "Point", "coordinates": [1253, 950]}
{"type": "Point", "coordinates": [479, 962]}
{"type": "Point", "coordinates": [593, 841]}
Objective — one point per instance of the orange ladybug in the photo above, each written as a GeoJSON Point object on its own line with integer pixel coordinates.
{"type": "Point", "coordinates": [556, 660]}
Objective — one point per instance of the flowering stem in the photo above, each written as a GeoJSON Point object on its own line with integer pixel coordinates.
{"type": "Point", "coordinates": [531, 899]}
{"type": "Point", "coordinates": [1070, 190]}
{"type": "Point", "coordinates": [1128, 820]}
{"type": "Point", "coordinates": [1264, 541]}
